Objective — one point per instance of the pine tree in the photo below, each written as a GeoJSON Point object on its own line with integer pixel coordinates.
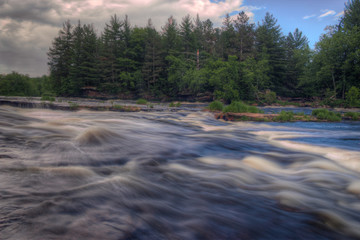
{"type": "Point", "coordinates": [123, 57]}
{"type": "Point", "coordinates": [112, 48]}
{"type": "Point", "coordinates": [209, 37]}
{"type": "Point", "coordinates": [269, 42]}
{"type": "Point", "coordinates": [228, 37]}
{"type": "Point", "coordinates": [351, 16]}
{"type": "Point", "coordinates": [84, 71]}
{"type": "Point", "coordinates": [297, 58]}
{"type": "Point", "coordinates": [245, 36]}
{"type": "Point", "coordinates": [187, 37]}
{"type": "Point", "coordinates": [153, 62]}
{"type": "Point", "coordinates": [60, 58]}
{"type": "Point", "coordinates": [170, 36]}
{"type": "Point", "coordinates": [198, 34]}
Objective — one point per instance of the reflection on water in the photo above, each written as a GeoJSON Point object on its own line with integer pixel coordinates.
{"type": "Point", "coordinates": [106, 175]}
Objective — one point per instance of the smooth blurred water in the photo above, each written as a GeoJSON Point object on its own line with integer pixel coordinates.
{"type": "Point", "coordinates": [108, 175]}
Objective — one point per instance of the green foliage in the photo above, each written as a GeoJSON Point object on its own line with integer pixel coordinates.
{"type": "Point", "coordinates": [47, 97]}
{"type": "Point", "coordinates": [351, 16]}
{"type": "Point", "coordinates": [353, 97]}
{"type": "Point", "coordinates": [15, 84]}
{"type": "Point", "coordinates": [302, 114]}
{"type": "Point", "coordinates": [240, 107]}
{"type": "Point", "coordinates": [172, 104]}
{"type": "Point", "coordinates": [353, 115]}
{"type": "Point", "coordinates": [141, 101]}
{"type": "Point", "coordinates": [324, 114]}
{"type": "Point", "coordinates": [285, 116]}
{"type": "Point", "coordinates": [73, 106]}
{"type": "Point", "coordinates": [297, 58]}
{"type": "Point", "coordinates": [110, 88]}
{"type": "Point", "coordinates": [118, 107]}
{"type": "Point", "coordinates": [287, 103]}
{"type": "Point", "coordinates": [193, 59]}
{"type": "Point", "coordinates": [216, 106]}
{"type": "Point", "coordinates": [269, 97]}
{"type": "Point", "coordinates": [269, 41]}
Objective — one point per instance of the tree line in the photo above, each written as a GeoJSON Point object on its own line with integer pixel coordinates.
{"type": "Point", "coordinates": [192, 59]}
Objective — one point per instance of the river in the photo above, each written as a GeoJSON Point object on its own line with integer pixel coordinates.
{"type": "Point", "coordinates": [175, 175]}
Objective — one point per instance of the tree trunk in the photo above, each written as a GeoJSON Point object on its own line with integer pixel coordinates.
{"type": "Point", "coordinates": [333, 78]}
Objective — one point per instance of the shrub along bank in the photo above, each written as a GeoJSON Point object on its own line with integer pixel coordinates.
{"type": "Point", "coordinates": [239, 111]}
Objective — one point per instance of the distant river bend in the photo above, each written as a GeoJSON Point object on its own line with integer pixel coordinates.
{"type": "Point", "coordinates": [183, 175]}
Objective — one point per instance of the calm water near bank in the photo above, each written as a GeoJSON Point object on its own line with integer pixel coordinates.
{"type": "Point", "coordinates": [175, 175]}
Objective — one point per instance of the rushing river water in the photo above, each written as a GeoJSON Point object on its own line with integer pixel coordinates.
{"type": "Point", "coordinates": [108, 175]}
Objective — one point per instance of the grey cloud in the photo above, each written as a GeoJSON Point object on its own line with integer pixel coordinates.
{"type": "Point", "coordinates": [41, 11]}
{"type": "Point", "coordinates": [11, 28]}
{"type": "Point", "coordinates": [22, 59]}
{"type": "Point", "coordinates": [28, 27]}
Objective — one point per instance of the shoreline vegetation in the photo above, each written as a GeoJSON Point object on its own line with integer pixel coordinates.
{"type": "Point", "coordinates": [190, 59]}
{"type": "Point", "coordinates": [236, 111]}
{"type": "Point", "coordinates": [240, 64]}
{"type": "Point", "coordinates": [239, 111]}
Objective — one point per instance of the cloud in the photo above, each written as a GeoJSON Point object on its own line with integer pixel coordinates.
{"type": "Point", "coordinates": [308, 17]}
{"type": "Point", "coordinates": [23, 46]}
{"type": "Point", "coordinates": [327, 13]}
{"type": "Point", "coordinates": [340, 14]}
{"type": "Point", "coordinates": [27, 28]}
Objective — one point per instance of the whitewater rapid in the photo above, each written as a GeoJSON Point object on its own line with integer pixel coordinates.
{"type": "Point", "coordinates": [167, 175]}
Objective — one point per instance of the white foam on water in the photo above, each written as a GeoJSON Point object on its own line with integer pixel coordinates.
{"type": "Point", "coordinates": [219, 161]}
{"type": "Point", "coordinates": [326, 165]}
{"type": "Point", "coordinates": [340, 223]}
{"type": "Point", "coordinates": [184, 169]}
{"type": "Point", "coordinates": [96, 136]}
{"type": "Point", "coordinates": [346, 158]}
{"type": "Point", "coordinates": [71, 171]}
{"type": "Point", "coordinates": [293, 199]}
{"type": "Point", "coordinates": [354, 187]}
{"type": "Point", "coordinates": [262, 164]}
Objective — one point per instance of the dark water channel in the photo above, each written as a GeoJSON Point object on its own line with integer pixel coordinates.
{"type": "Point", "coordinates": [109, 175]}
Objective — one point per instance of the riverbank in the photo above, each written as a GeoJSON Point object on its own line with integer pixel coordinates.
{"type": "Point", "coordinates": [73, 104]}
{"type": "Point", "coordinates": [271, 113]}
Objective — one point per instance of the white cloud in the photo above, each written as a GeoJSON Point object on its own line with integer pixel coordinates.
{"type": "Point", "coordinates": [308, 17]}
{"type": "Point", "coordinates": [27, 28]}
{"type": "Point", "coordinates": [327, 13]}
{"type": "Point", "coordinates": [340, 14]}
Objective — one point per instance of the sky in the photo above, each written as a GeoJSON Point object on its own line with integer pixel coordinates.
{"type": "Point", "coordinates": [28, 27]}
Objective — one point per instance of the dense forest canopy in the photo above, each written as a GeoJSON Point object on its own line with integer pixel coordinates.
{"type": "Point", "coordinates": [191, 59]}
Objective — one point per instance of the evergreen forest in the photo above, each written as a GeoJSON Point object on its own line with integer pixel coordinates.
{"type": "Point", "coordinates": [190, 59]}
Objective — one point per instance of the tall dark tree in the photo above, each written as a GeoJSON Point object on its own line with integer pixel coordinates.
{"type": "Point", "coordinates": [228, 37]}
{"type": "Point", "coordinates": [336, 62]}
{"type": "Point", "coordinates": [209, 37]}
{"type": "Point", "coordinates": [60, 59]}
{"type": "Point", "coordinates": [112, 48]}
{"type": "Point", "coordinates": [153, 62]}
{"type": "Point", "coordinates": [245, 36]}
{"type": "Point", "coordinates": [269, 42]}
{"type": "Point", "coordinates": [351, 16]}
{"type": "Point", "coordinates": [198, 33]}
{"type": "Point", "coordinates": [84, 69]}
{"type": "Point", "coordinates": [350, 29]}
{"type": "Point", "coordinates": [170, 35]}
{"type": "Point", "coordinates": [124, 62]}
{"type": "Point", "coordinates": [187, 37]}
{"type": "Point", "coordinates": [297, 59]}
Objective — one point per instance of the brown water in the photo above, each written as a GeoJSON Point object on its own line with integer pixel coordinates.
{"type": "Point", "coordinates": [106, 175]}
